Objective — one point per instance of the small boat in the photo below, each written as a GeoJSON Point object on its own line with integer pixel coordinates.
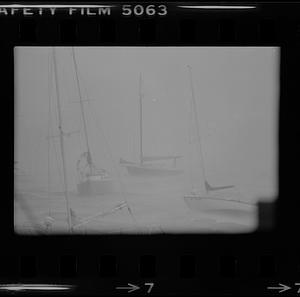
{"type": "Point", "coordinates": [147, 165]}
{"type": "Point", "coordinates": [208, 202]}
{"type": "Point", "coordinates": [202, 197]}
{"type": "Point", "coordinates": [92, 180]}
{"type": "Point", "coordinates": [149, 169]}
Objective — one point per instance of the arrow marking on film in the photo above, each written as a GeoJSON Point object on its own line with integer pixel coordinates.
{"type": "Point", "coordinates": [131, 288]}
{"type": "Point", "coordinates": [282, 288]}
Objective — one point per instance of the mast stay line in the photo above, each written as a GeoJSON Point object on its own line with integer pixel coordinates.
{"type": "Point", "coordinates": [61, 138]}
{"type": "Point", "coordinates": [141, 119]}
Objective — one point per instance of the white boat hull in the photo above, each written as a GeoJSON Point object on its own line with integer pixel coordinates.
{"type": "Point", "coordinates": [219, 205]}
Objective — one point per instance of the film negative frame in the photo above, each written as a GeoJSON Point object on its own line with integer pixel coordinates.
{"type": "Point", "coordinates": [265, 262]}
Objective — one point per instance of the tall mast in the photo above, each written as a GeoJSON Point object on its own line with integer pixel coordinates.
{"type": "Point", "coordinates": [141, 119]}
{"type": "Point", "coordinates": [49, 124]}
{"type": "Point", "coordinates": [89, 159]}
{"type": "Point", "coordinates": [61, 139]}
{"type": "Point", "coordinates": [194, 107]}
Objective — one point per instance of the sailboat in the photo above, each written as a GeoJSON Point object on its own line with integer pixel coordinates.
{"type": "Point", "coordinates": [145, 166]}
{"type": "Point", "coordinates": [203, 196]}
{"type": "Point", "coordinates": [92, 180]}
{"type": "Point", "coordinates": [55, 218]}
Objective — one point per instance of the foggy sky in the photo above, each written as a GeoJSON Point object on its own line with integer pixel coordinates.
{"type": "Point", "coordinates": [236, 90]}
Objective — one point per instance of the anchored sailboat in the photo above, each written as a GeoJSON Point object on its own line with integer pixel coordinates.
{"type": "Point", "coordinates": [72, 218]}
{"type": "Point", "coordinates": [91, 184]}
{"type": "Point", "coordinates": [202, 196]}
{"type": "Point", "coordinates": [144, 167]}
{"type": "Point", "coordinates": [92, 180]}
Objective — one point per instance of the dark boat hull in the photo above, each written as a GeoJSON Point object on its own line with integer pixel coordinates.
{"type": "Point", "coordinates": [140, 170]}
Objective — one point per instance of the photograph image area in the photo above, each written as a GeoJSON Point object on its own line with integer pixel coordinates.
{"type": "Point", "coordinates": [144, 140]}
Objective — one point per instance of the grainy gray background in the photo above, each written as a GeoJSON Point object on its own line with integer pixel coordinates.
{"type": "Point", "coordinates": [236, 90]}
